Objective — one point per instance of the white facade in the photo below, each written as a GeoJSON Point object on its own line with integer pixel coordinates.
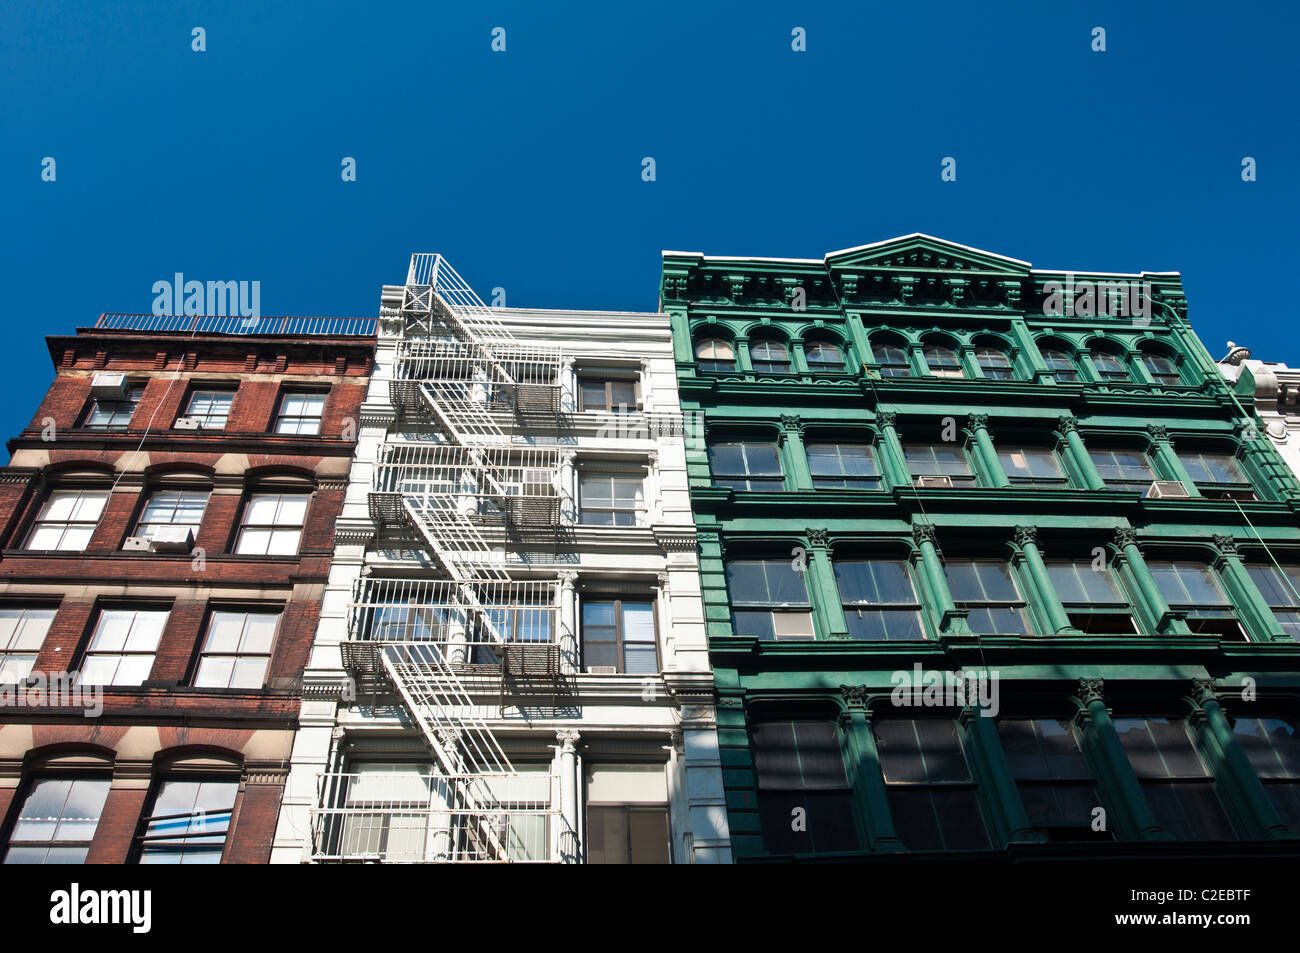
{"type": "Point", "coordinates": [1273, 389]}
{"type": "Point", "coordinates": [611, 746]}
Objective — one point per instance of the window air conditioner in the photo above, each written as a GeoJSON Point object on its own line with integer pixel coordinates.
{"type": "Point", "coordinates": [188, 423]}
{"type": "Point", "coordinates": [173, 539]}
{"type": "Point", "coordinates": [602, 670]}
{"type": "Point", "coordinates": [1168, 490]}
{"type": "Point", "coordinates": [931, 482]}
{"type": "Point", "coordinates": [136, 544]}
{"type": "Point", "coordinates": [109, 387]}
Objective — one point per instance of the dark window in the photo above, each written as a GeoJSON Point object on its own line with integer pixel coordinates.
{"type": "Point", "coordinates": [805, 804]}
{"type": "Point", "coordinates": [932, 796]}
{"type": "Point", "coordinates": [769, 599]}
{"type": "Point", "coordinates": [610, 499]}
{"type": "Point", "coordinates": [1280, 587]}
{"type": "Point", "coordinates": [945, 459]}
{"type": "Point", "coordinates": [824, 358]}
{"type": "Point", "coordinates": [879, 599]}
{"type": "Point", "coordinates": [1216, 475]}
{"type": "Point", "coordinates": [1193, 588]}
{"type": "Point", "coordinates": [1273, 747]}
{"type": "Point", "coordinates": [211, 408]}
{"type": "Point", "coordinates": [849, 466]}
{"type": "Point", "coordinates": [619, 634]}
{"type": "Point", "coordinates": [1032, 466]}
{"type": "Point", "coordinates": [1178, 788]}
{"type": "Point", "coordinates": [769, 357]}
{"type": "Point", "coordinates": [942, 361]}
{"type": "Point", "coordinates": [616, 395]}
{"type": "Point", "coordinates": [300, 413]}
{"type": "Point", "coordinates": [1124, 469]}
{"type": "Point", "coordinates": [1109, 367]}
{"type": "Point", "coordinates": [1161, 368]}
{"type": "Point", "coordinates": [1055, 782]}
{"type": "Point", "coordinates": [1060, 364]}
{"type": "Point", "coordinates": [106, 414]}
{"type": "Point", "coordinates": [746, 466]}
{"type": "Point", "coordinates": [57, 821]}
{"type": "Point", "coordinates": [893, 360]}
{"type": "Point", "coordinates": [188, 823]}
{"type": "Point", "coordinates": [995, 363]}
{"type": "Point", "coordinates": [713, 354]}
{"type": "Point", "coordinates": [627, 834]}
{"type": "Point", "coordinates": [1092, 597]}
{"type": "Point", "coordinates": [989, 594]}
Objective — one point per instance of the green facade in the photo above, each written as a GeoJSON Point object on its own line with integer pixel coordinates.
{"type": "Point", "coordinates": [1147, 685]}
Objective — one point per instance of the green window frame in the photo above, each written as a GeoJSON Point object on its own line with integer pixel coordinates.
{"type": "Point", "coordinates": [769, 600]}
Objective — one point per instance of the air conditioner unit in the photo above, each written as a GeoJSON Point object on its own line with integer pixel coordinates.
{"type": "Point", "coordinates": [931, 482]}
{"type": "Point", "coordinates": [173, 539]}
{"type": "Point", "coordinates": [187, 423]}
{"type": "Point", "coordinates": [1168, 490]}
{"type": "Point", "coordinates": [109, 387]}
{"type": "Point", "coordinates": [136, 544]}
{"type": "Point", "coordinates": [602, 670]}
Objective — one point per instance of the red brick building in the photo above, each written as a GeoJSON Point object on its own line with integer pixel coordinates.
{"type": "Point", "coordinates": [166, 525]}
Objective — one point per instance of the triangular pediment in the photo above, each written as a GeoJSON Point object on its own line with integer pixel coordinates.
{"type": "Point", "coordinates": [924, 253]}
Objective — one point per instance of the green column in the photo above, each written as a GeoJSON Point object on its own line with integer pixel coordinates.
{"type": "Point", "coordinates": [1166, 623]}
{"type": "Point", "coordinates": [742, 356]}
{"type": "Point", "coordinates": [683, 352]}
{"type": "Point", "coordinates": [1058, 619]}
{"type": "Point", "coordinates": [990, 761]}
{"type": "Point", "coordinates": [948, 618]}
{"type": "Point", "coordinates": [858, 337]}
{"type": "Point", "coordinates": [1233, 767]}
{"type": "Point", "coordinates": [1114, 773]}
{"type": "Point", "coordinates": [862, 761]}
{"type": "Point", "coordinates": [1166, 458]}
{"type": "Point", "coordinates": [1245, 595]}
{"type": "Point", "coordinates": [989, 463]}
{"type": "Point", "coordinates": [822, 589]}
{"type": "Point", "coordinates": [796, 457]}
{"type": "Point", "coordinates": [893, 461]}
{"type": "Point", "coordinates": [1025, 343]}
{"type": "Point", "coordinates": [1068, 428]}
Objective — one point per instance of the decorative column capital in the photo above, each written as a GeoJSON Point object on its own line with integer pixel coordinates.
{"type": "Point", "coordinates": [568, 739]}
{"type": "Point", "coordinates": [567, 577]}
{"type": "Point", "coordinates": [818, 538]}
{"type": "Point", "coordinates": [791, 422]}
{"type": "Point", "coordinates": [1026, 535]}
{"type": "Point", "coordinates": [1091, 690]}
{"type": "Point", "coordinates": [887, 418]}
{"type": "Point", "coordinates": [1203, 691]}
{"type": "Point", "coordinates": [1126, 536]}
{"type": "Point", "coordinates": [1067, 424]}
{"type": "Point", "coordinates": [1158, 431]}
{"type": "Point", "coordinates": [923, 533]}
{"type": "Point", "coordinates": [567, 457]}
{"type": "Point", "coordinates": [978, 421]}
{"type": "Point", "coordinates": [1226, 545]}
{"type": "Point", "coordinates": [855, 697]}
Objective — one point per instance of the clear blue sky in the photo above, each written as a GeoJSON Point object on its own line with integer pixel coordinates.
{"type": "Point", "coordinates": [524, 167]}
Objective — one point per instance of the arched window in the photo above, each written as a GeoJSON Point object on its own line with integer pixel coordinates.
{"type": "Point", "coordinates": [823, 357]}
{"type": "Point", "coordinates": [893, 360]}
{"type": "Point", "coordinates": [1162, 369]}
{"type": "Point", "coordinates": [995, 363]}
{"type": "Point", "coordinates": [1060, 363]}
{"type": "Point", "coordinates": [1109, 366]}
{"type": "Point", "coordinates": [769, 357]}
{"type": "Point", "coordinates": [943, 361]}
{"type": "Point", "coordinates": [715, 354]}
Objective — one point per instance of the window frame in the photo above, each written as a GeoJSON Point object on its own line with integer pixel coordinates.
{"type": "Point", "coordinates": [1019, 606]}
{"type": "Point", "coordinates": [965, 480]}
{"type": "Point", "coordinates": [1172, 781]}
{"type": "Point", "coordinates": [10, 648]}
{"type": "Point", "coordinates": [29, 786]}
{"type": "Point", "coordinates": [281, 417]}
{"type": "Point", "coordinates": [62, 490]}
{"type": "Point", "coordinates": [1122, 375]}
{"type": "Point", "coordinates": [1067, 374]}
{"type": "Point", "coordinates": [900, 787]}
{"type": "Point", "coordinates": [770, 483]}
{"type": "Point", "coordinates": [954, 370]}
{"type": "Point", "coordinates": [1004, 353]}
{"type": "Point", "coordinates": [138, 525]}
{"type": "Point", "coordinates": [845, 480]}
{"type": "Point", "coordinates": [142, 839]}
{"type": "Point", "coordinates": [1005, 452]}
{"type": "Point", "coordinates": [608, 382]}
{"type": "Point", "coordinates": [620, 641]}
{"type": "Point", "coordinates": [243, 524]}
{"type": "Point", "coordinates": [135, 391]}
{"type": "Point", "coordinates": [205, 653]}
{"type": "Point", "coordinates": [769, 365]}
{"type": "Point", "coordinates": [821, 366]}
{"type": "Point", "coordinates": [892, 368]}
{"type": "Point", "coordinates": [712, 364]}
{"type": "Point", "coordinates": [639, 511]}
{"type": "Point", "coordinates": [783, 795]}
{"type": "Point", "coordinates": [914, 607]}
{"type": "Point", "coordinates": [1124, 484]}
{"type": "Point", "coordinates": [769, 606]}
{"type": "Point", "coordinates": [122, 654]}
{"type": "Point", "coordinates": [1158, 377]}
{"type": "Point", "coordinates": [209, 391]}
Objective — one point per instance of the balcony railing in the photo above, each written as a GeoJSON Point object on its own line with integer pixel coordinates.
{"type": "Point", "coordinates": [235, 324]}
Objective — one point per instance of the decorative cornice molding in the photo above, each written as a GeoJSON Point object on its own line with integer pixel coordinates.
{"type": "Point", "coordinates": [675, 540]}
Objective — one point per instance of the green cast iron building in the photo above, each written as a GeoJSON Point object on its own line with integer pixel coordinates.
{"type": "Point", "coordinates": [920, 458]}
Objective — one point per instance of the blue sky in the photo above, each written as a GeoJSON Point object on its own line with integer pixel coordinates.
{"type": "Point", "coordinates": [524, 167]}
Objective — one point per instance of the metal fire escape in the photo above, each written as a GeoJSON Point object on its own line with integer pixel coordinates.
{"type": "Point", "coordinates": [432, 640]}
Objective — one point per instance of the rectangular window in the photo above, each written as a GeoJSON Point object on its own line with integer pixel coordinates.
{"type": "Point", "coordinates": [113, 415]}
{"type": "Point", "coordinates": [57, 821]}
{"type": "Point", "coordinates": [613, 395]}
{"type": "Point", "coordinates": [932, 796]}
{"type": "Point", "coordinates": [237, 649]}
{"type": "Point", "coordinates": [188, 823]}
{"type": "Point", "coordinates": [1280, 587]}
{"type": "Point", "coordinates": [927, 460]}
{"type": "Point", "coordinates": [1177, 785]}
{"type": "Point", "coordinates": [1032, 466]}
{"type": "Point", "coordinates": [611, 499]}
{"type": "Point", "coordinates": [1092, 597]}
{"type": "Point", "coordinates": [987, 591]}
{"type": "Point", "coordinates": [1273, 747]}
{"type": "Point", "coordinates": [627, 814]}
{"type": "Point", "coordinates": [799, 765]}
{"type": "Point", "coordinates": [172, 508]}
{"type": "Point", "coordinates": [272, 524]}
{"type": "Point", "coordinates": [122, 649]}
{"type": "Point", "coordinates": [769, 600]}
{"type": "Point", "coordinates": [529, 617]}
{"type": "Point", "coordinates": [619, 634]}
{"type": "Point", "coordinates": [879, 599]}
{"type": "Point", "coordinates": [1217, 475]}
{"type": "Point", "coordinates": [1056, 785]}
{"type": "Point", "coordinates": [22, 633]}
{"type": "Point", "coordinates": [746, 466]}
{"type": "Point", "coordinates": [844, 465]}
{"type": "Point", "coordinates": [67, 520]}
{"type": "Point", "coordinates": [1124, 469]}
{"type": "Point", "coordinates": [210, 407]}
{"type": "Point", "coordinates": [1193, 588]}
{"type": "Point", "coordinates": [300, 413]}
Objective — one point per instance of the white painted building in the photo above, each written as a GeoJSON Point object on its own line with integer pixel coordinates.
{"type": "Point", "coordinates": [1274, 389]}
{"type": "Point", "coordinates": [511, 661]}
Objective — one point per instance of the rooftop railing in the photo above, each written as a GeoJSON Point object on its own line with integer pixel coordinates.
{"type": "Point", "coordinates": [235, 324]}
